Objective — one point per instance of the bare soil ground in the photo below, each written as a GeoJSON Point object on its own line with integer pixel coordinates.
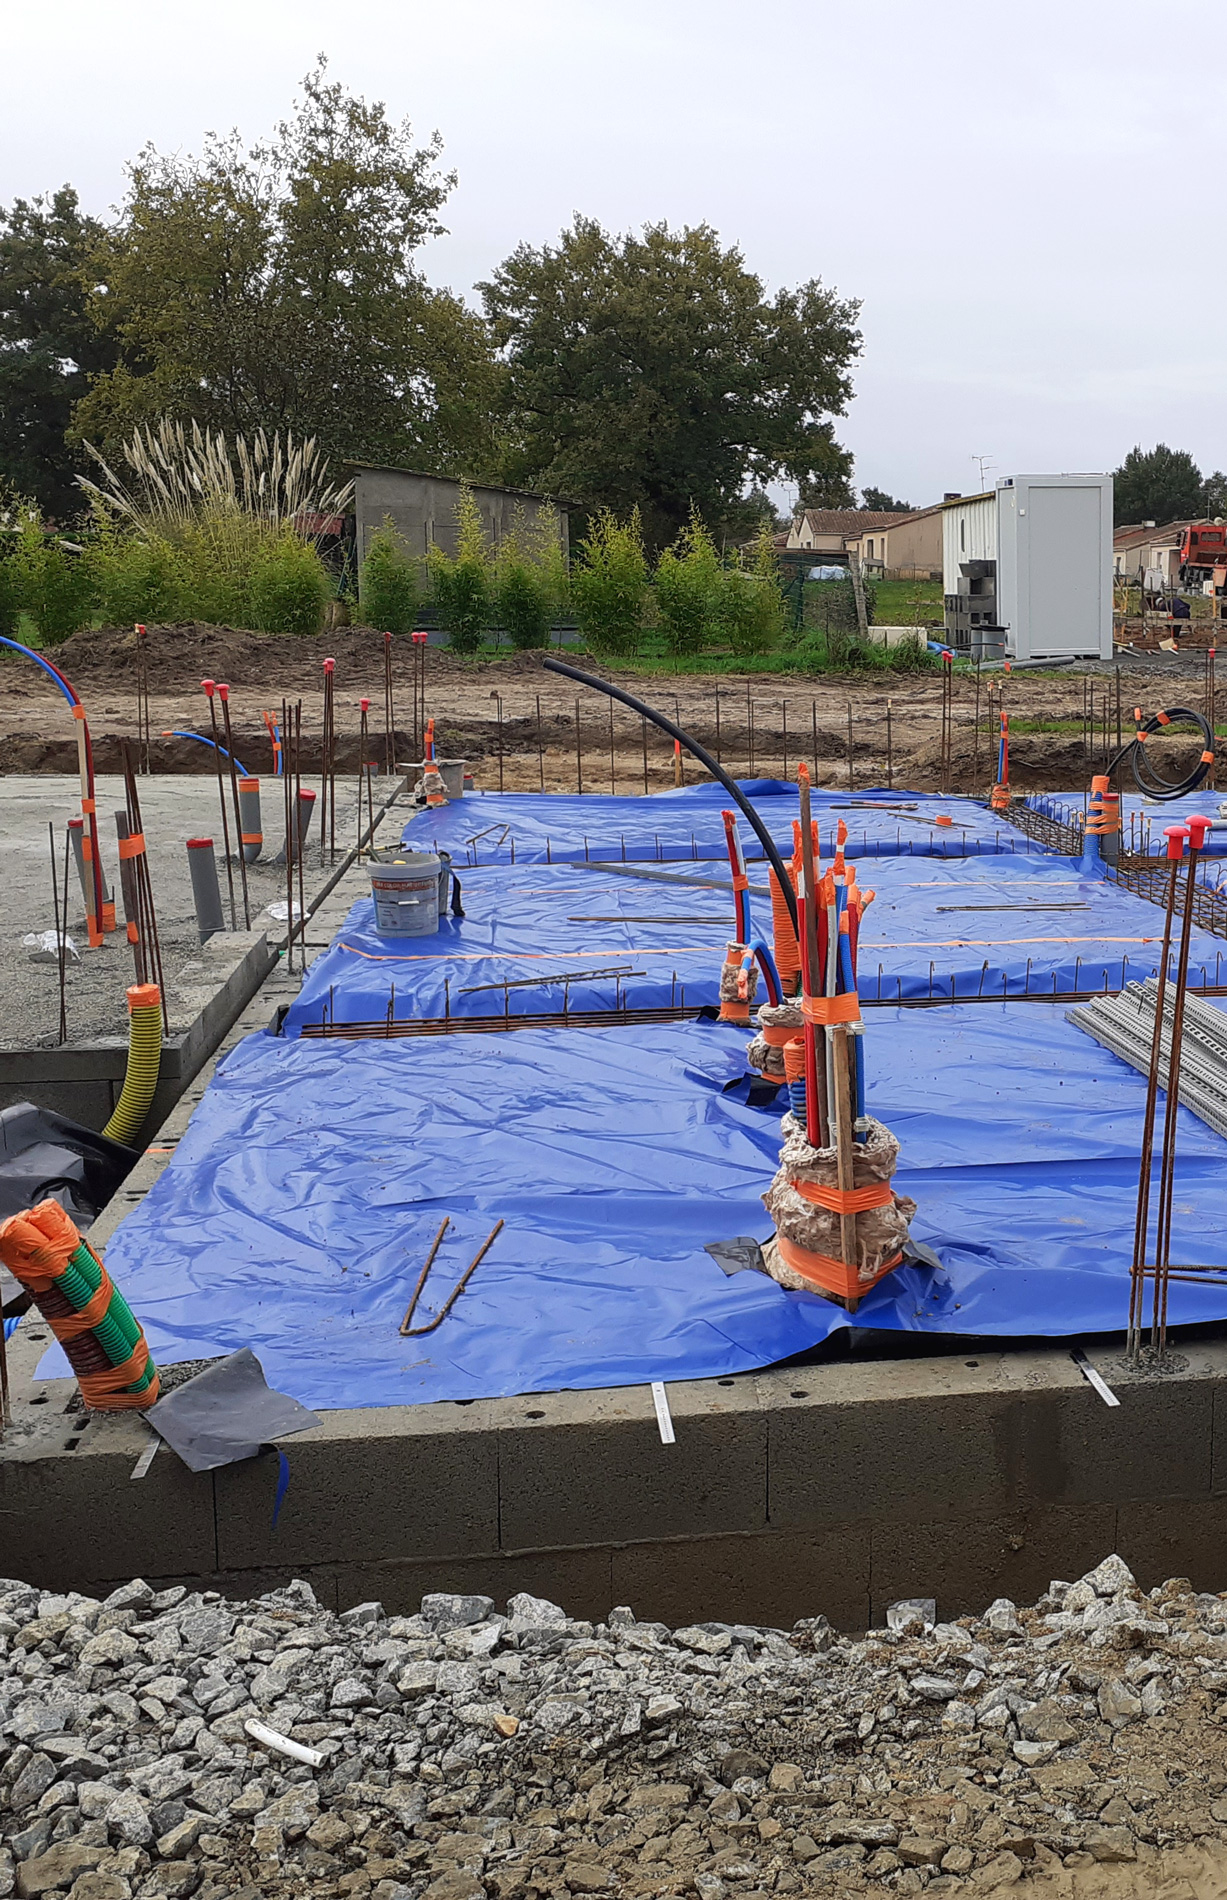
{"type": "Point", "coordinates": [516, 722]}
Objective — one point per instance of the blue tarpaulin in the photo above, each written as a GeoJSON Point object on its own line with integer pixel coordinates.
{"type": "Point", "coordinates": [968, 927]}
{"type": "Point", "coordinates": [527, 827]}
{"type": "Point", "coordinates": [296, 1212]}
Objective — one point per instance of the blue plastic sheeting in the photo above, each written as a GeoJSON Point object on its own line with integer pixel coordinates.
{"type": "Point", "coordinates": [299, 1207]}
{"type": "Point", "coordinates": [934, 929]}
{"type": "Point", "coordinates": [483, 827]}
{"type": "Point", "coordinates": [1142, 820]}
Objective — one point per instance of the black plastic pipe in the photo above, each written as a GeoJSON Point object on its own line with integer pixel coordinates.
{"type": "Point", "coordinates": [705, 759]}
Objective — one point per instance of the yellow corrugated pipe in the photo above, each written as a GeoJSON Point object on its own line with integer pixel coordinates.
{"type": "Point", "coordinates": [144, 1061]}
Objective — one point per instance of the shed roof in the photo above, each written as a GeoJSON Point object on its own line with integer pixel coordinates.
{"type": "Point", "coordinates": [432, 475]}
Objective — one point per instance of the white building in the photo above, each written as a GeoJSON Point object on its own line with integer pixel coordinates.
{"type": "Point", "coordinates": [1033, 557]}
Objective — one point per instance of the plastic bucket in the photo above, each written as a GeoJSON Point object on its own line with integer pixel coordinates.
{"type": "Point", "coordinates": [452, 771]}
{"type": "Point", "coordinates": [406, 895]}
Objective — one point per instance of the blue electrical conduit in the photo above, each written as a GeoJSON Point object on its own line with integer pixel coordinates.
{"type": "Point", "coordinates": [771, 976]}
{"type": "Point", "coordinates": [87, 791]}
{"type": "Point", "coordinates": [68, 691]}
{"type": "Point", "coordinates": [176, 734]}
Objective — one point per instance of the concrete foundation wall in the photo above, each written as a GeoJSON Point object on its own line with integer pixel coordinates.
{"type": "Point", "coordinates": [834, 1488]}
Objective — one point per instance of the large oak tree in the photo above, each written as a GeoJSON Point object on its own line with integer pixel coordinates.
{"type": "Point", "coordinates": [654, 371]}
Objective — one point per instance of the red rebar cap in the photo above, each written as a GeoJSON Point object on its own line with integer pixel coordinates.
{"type": "Point", "coordinates": [200, 844]}
{"type": "Point", "coordinates": [420, 636]}
{"type": "Point", "coordinates": [139, 630]}
{"type": "Point", "coordinates": [387, 639]}
{"type": "Point", "coordinates": [223, 691]}
{"type": "Point", "coordinates": [365, 704]}
{"type": "Point", "coordinates": [206, 686]}
{"type": "Point", "coordinates": [329, 666]}
{"type": "Point", "coordinates": [1176, 836]}
{"type": "Point", "coordinates": [1199, 829]}
{"type": "Point", "coordinates": [307, 793]}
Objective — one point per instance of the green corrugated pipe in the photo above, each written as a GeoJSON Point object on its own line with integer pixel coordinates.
{"type": "Point", "coordinates": [144, 1062]}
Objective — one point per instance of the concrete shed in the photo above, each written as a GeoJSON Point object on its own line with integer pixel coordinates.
{"type": "Point", "coordinates": [423, 508]}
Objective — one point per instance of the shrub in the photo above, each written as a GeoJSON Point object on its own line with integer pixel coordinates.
{"type": "Point", "coordinates": [55, 587]}
{"type": "Point", "coordinates": [689, 589]}
{"type": "Point", "coordinates": [462, 583]}
{"type": "Point", "coordinates": [289, 588]}
{"type": "Point", "coordinates": [524, 604]}
{"type": "Point", "coordinates": [609, 586]}
{"type": "Point", "coordinates": [135, 579]}
{"type": "Point", "coordinates": [10, 604]}
{"type": "Point", "coordinates": [387, 583]}
{"type": "Point", "coordinates": [752, 611]}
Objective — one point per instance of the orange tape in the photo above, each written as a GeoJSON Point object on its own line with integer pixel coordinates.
{"type": "Point", "coordinates": [251, 837]}
{"type": "Point", "coordinates": [734, 1012]}
{"type": "Point", "coordinates": [133, 846]}
{"type": "Point", "coordinates": [740, 881]}
{"type": "Point", "coordinates": [89, 806]}
{"type": "Point", "coordinates": [1163, 719]}
{"type": "Point", "coordinates": [775, 1036]}
{"type": "Point", "coordinates": [827, 1275]}
{"type": "Point", "coordinates": [78, 712]}
{"type": "Point", "coordinates": [846, 1200]}
{"type": "Point", "coordinates": [1207, 758]}
{"type": "Point", "coordinates": [831, 1009]}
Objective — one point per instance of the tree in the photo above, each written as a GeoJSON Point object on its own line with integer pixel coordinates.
{"type": "Point", "coordinates": [884, 504]}
{"type": "Point", "coordinates": [1214, 495]}
{"type": "Point", "coordinates": [653, 372]}
{"type": "Point", "coordinates": [1158, 484]}
{"type": "Point", "coordinates": [277, 288]}
{"type": "Point", "coordinates": [50, 345]}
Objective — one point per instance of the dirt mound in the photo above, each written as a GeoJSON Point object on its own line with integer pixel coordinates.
{"type": "Point", "coordinates": [181, 654]}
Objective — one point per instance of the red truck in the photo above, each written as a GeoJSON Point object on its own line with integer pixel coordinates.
{"type": "Point", "coordinates": [1203, 547]}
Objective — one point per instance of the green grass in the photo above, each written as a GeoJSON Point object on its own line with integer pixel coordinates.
{"type": "Point", "coordinates": [897, 603]}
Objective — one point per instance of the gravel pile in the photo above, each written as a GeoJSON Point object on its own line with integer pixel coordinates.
{"type": "Point", "coordinates": [465, 1754]}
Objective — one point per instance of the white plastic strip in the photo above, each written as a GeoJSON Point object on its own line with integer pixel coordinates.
{"type": "Point", "coordinates": [269, 1738]}
{"type": "Point", "coordinates": [1093, 1378]}
{"type": "Point", "coordinates": [664, 1417]}
{"type": "Point", "coordinates": [145, 1460]}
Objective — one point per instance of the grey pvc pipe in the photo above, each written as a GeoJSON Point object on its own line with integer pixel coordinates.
{"type": "Point", "coordinates": [206, 892]}
{"type": "Point", "coordinates": [127, 876]}
{"type": "Point", "coordinates": [306, 810]}
{"type": "Point", "coordinates": [250, 822]}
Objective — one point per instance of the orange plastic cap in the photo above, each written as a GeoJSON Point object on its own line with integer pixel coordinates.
{"type": "Point", "coordinates": [144, 996]}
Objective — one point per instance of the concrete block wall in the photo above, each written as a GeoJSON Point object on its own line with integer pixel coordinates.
{"type": "Point", "coordinates": [835, 1488]}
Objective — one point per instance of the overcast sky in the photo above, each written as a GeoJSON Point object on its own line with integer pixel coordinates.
{"type": "Point", "coordinates": [1026, 199]}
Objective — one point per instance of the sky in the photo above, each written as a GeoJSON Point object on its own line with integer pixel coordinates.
{"type": "Point", "coordinates": [1022, 198]}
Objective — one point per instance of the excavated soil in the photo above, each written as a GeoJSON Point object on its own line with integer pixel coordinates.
{"type": "Point", "coordinates": [516, 722]}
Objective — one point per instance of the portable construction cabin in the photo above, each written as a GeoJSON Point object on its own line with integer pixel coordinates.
{"type": "Point", "coordinates": [1027, 568]}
